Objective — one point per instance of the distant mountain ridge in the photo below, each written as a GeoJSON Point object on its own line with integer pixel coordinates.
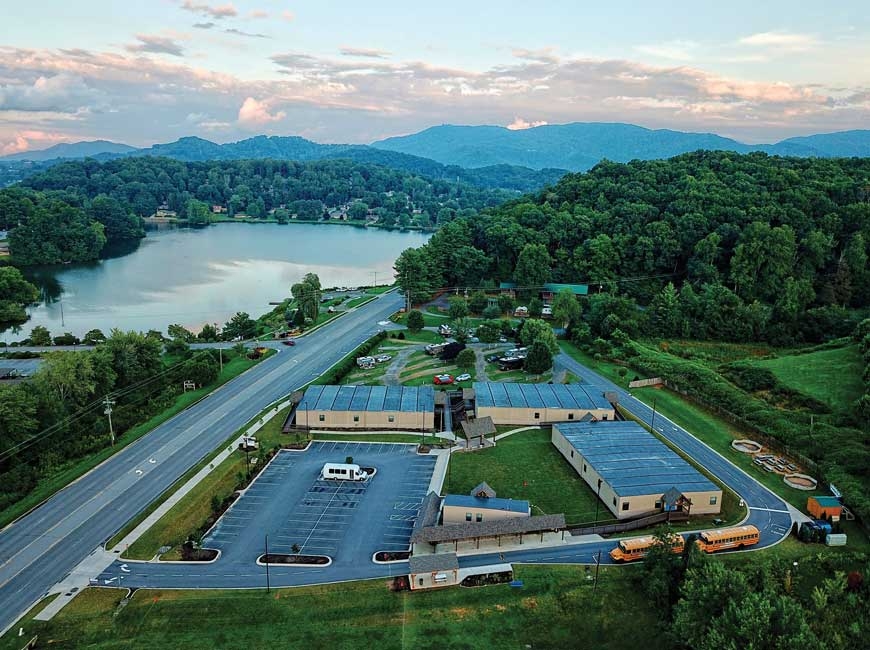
{"type": "Point", "coordinates": [580, 145]}
{"type": "Point", "coordinates": [195, 149]}
{"type": "Point", "coordinates": [72, 150]}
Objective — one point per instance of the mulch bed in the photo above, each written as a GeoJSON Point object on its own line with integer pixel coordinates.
{"type": "Point", "coordinates": [392, 556]}
{"type": "Point", "coordinates": [287, 558]}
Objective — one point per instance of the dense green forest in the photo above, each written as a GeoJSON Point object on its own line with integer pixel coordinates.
{"type": "Point", "coordinates": [57, 417]}
{"type": "Point", "coordinates": [708, 246]}
{"type": "Point", "coordinates": [256, 187]}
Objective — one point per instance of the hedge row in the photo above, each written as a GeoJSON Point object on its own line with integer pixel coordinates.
{"type": "Point", "coordinates": [338, 372]}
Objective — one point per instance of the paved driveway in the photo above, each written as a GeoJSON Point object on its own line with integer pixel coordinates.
{"type": "Point", "coordinates": [348, 521]}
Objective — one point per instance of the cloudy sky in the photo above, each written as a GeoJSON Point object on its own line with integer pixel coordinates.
{"type": "Point", "coordinates": [146, 71]}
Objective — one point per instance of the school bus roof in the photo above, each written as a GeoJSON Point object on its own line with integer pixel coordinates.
{"type": "Point", "coordinates": [642, 542]}
{"type": "Point", "coordinates": [725, 533]}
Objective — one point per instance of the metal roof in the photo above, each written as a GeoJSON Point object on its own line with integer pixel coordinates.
{"type": "Point", "coordinates": [433, 563]}
{"type": "Point", "coordinates": [430, 511]}
{"type": "Point", "coordinates": [478, 427]}
{"type": "Point", "coordinates": [631, 460]}
{"type": "Point", "coordinates": [406, 399]}
{"type": "Point", "coordinates": [827, 502]}
{"type": "Point", "coordinates": [508, 526]}
{"type": "Point", "coordinates": [539, 396]}
{"type": "Point", "coordinates": [486, 503]}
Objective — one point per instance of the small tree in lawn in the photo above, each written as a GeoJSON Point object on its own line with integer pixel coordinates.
{"type": "Point", "coordinates": [415, 321]}
{"type": "Point", "coordinates": [539, 359]}
{"type": "Point", "coordinates": [478, 302]}
{"type": "Point", "coordinates": [492, 312]}
{"type": "Point", "coordinates": [505, 303]}
{"type": "Point", "coordinates": [536, 308]}
{"type": "Point", "coordinates": [39, 335]}
{"type": "Point", "coordinates": [466, 359]}
{"type": "Point", "coordinates": [458, 308]}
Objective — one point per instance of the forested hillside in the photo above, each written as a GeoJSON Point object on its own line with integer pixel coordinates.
{"type": "Point", "coordinates": [68, 212]}
{"type": "Point", "coordinates": [716, 245]}
{"type": "Point", "coordinates": [710, 246]}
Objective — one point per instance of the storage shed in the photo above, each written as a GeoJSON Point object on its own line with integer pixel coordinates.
{"type": "Point", "coordinates": [406, 408]}
{"type": "Point", "coordinates": [436, 570]}
{"type": "Point", "coordinates": [540, 403]}
{"type": "Point", "coordinates": [632, 471]}
{"type": "Point", "coordinates": [828, 508]}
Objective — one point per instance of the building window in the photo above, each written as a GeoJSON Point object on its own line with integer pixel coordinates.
{"type": "Point", "coordinates": [614, 501]}
{"type": "Point", "coordinates": [572, 453]}
{"type": "Point", "coordinates": [467, 516]}
{"type": "Point", "coordinates": [584, 468]}
{"type": "Point", "coordinates": [478, 518]}
{"type": "Point", "coordinates": [604, 417]}
{"type": "Point", "coordinates": [570, 416]}
{"type": "Point", "coordinates": [713, 501]}
{"type": "Point", "coordinates": [321, 417]}
{"type": "Point", "coordinates": [658, 504]}
{"type": "Point", "coordinates": [391, 418]}
{"type": "Point", "coordinates": [356, 418]}
{"type": "Point", "coordinates": [537, 416]}
{"type": "Point", "coordinates": [625, 505]}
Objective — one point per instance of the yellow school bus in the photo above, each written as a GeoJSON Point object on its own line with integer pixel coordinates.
{"type": "Point", "coordinates": [636, 548]}
{"type": "Point", "coordinates": [724, 538]}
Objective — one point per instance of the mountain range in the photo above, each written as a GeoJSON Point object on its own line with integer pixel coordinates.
{"type": "Point", "coordinates": [579, 146]}
{"type": "Point", "coordinates": [486, 156]}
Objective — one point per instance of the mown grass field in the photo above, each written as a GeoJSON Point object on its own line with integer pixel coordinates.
{"type": "Point", "coordinates": [526, 465]}
{"type": "Point", "coordinates": [52, 484]}
{"type": "Point", "coordinates": [556, 608]}
{"type": "Point", "coordinates": [831, 376]}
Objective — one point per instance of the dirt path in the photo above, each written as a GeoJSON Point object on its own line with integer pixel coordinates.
{"type": "Point", "coordinates": [391, 376]}
{"type": "Point", "coordinates": [480, 365]}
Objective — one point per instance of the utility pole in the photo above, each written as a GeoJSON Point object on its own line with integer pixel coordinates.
{"type": "Point", "coordinates": [109, 403]}
{"type": "Point", "coordinates": [408, 301]}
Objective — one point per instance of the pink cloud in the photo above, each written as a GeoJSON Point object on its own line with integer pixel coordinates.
{"type": "Point", "coordinates": [256, 113]}
{"type": "Point", "coordinates": [519, 124]}
{"type": "Point", "coordinates": [27, 140]}
{"type": "Point", "coordinates": [219, 11]}
{"type": "Point", "coordinates": [289, 16]}
{"type": "Point", "coordinates": [258, 13]}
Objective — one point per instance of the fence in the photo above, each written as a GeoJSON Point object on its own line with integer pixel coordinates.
{"type": "Point", "coordinates": [640, 383]}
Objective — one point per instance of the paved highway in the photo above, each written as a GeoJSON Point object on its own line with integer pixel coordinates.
{"type": "Point", "coordinates": [766, 511]}
{"type": "Point", "coordinates": [42, 547]}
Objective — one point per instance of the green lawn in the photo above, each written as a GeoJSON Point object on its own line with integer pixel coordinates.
{"type": "Point", "coordinates": [188, 515]}
{"type": "Point", "coordinates": [58, 481]}
{"type": "Point", "coordinates": [700, 422]}
{"type": "Point", "coordinates": [356, 302]}
{"type": "Point", "coordinates": [376, 291]}
{"type": "Point", "coordinates": [526, 465]}
{"type": "Point", "coordinates": [831, 376]}
{"type": "Point", "coordinates": [555, 608]}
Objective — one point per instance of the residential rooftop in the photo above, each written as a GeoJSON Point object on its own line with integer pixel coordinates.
{"type": "Point", "coordinates": [554, 396]}
{"type": "Point", "coordinates": [632, 460]}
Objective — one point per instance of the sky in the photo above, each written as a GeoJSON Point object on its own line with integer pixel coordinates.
{"type": "Point", "coordinates": [146, 71]}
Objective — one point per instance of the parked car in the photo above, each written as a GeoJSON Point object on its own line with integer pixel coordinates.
{"type": "Point", "coordinates": [463, 377]}
{"type": "Point", "coordinates": [547, 311]}
{"type": "Point", "coordinates": [442, 379]}
{"type": "Point", "coordinates": [474, 339]}
{"type": "Point", "coordinates": [290, 342]}
{"type": "Point", "coordinates": [383, 357]}
{"type": "Point", "coordinates": [502, 339]}
{"type": "Point", "coordinates": [492, 358]}
{"type": "Point", "coordinates": [521, 311]}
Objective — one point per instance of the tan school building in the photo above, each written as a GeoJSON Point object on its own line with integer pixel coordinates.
{"type": "Point", "coordinates": [404, 408]}
{"type": "Point", "coordinates": [529, 404]}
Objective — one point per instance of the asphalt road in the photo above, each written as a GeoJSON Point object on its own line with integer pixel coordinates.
{"type": "Point", "coordinates": [767, 512]}
{"type": "Point", "coordinates": [42, 547]}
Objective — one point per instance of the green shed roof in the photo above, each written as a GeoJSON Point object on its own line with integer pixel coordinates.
{"type": "Point", "coordinates": [827, 502]}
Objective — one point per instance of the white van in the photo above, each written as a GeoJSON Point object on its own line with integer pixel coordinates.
{"type": "Point", "coordinates": [343, 472]}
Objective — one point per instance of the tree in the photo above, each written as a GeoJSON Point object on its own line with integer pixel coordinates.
{"type": "Point", "coordinates": [307, 295]}
{"type": "Point", "coordinates": [664, 315]}
{"type": "Point", "coordinates": [492, 312]}
{"type": "Point", "coordinates": [176, 331]}
{"type": "Point", "coordinates": [566, 308]}
{"type": "Point", "coordinates": [240, 326]}
{"type": "Point", "coordinates": [478, 302]}
{"type": "Point", "coordinates": [663, 571]}
{"type": "Point", "coordinates": [358, 211]}
{"type": "Point", "coordinates": [178, 348]}
{"type": "Point", "coordinates": [94, 337]}
{"type": "Point", "coordinates": [40, 336]}
{"type": "Point", "coordinates": [533, 266]}
{"type": "Point", "coordinates": [535, 330]}
{"type": "Point", "coordinates": [505, 303]}
{"type": "Point", "coordinates": [202, 369]}
{"type": "Point", "coordinates": [198, 213]}
{"type": "Point", "coordinates": [466, 359]}
{"type": "Point", "coordinates": [539, 358]}
{"type": "Point", "coordinates": [66, 378]}
{"type": "Point", "coordinates": [15, 294]}
{"type": "Point", "coordinates": [457, 307]}
{"type": "Point", "coordinates": [489, 331]}
{"type": "Point", "coordinates": [66, 339]}
{"type": "Point", "coordinates": [209, 333]}
{"type": "Point", "coordinates": [462, 329]}
{"type": "Point", "coordinates": [536, 308]}
{"type": "Point", "coordinates": [118, 221]}
{"type": "Point", "coordinates": [415, 321]}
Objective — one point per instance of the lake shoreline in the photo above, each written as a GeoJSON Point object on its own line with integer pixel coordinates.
{"type": "Point", "coordinates": [332, 222]}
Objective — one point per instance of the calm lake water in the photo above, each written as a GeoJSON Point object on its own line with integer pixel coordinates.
{"type": "Point", "coordinates": [197, 276]}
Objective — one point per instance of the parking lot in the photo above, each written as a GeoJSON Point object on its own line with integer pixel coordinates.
{"type": "Point", "coordinates": [346, 520]}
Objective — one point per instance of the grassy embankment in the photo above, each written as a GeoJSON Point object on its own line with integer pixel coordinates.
{"type": "Point", "coordinates": [556, 607]}
{"type": "Point", "coordinates": [58, 481]}
{"type": "Point", "coordinates": [710, 429]}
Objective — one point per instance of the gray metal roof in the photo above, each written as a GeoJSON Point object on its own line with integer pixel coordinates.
{"type": "Point", "coordinates": [406, 399]}
{"type": "Point", "coordinates": [631, 460]}
{"type": "Point", "coordinates": [429, 511]}
{"type": "Point", "coordinates": [432, 563]}
{"type": "Point", "coordinates": [556, 396]}
{"type": "Point", "coordinates": [473, 530]}
{"type": "Point", "coordinates": [486, 503]}
{"type": "Point", "coordinates": [478, 427]}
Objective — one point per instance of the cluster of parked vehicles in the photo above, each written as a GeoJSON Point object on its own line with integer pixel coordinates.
{"type": "Point", "coordinates": [709, 541]}
{"type": "Point", "coordinates": [444, 379]}
{"type": "Point", "coordinates": [366, 363]}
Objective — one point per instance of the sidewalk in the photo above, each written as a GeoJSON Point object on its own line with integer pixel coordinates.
{"type": "Point", "coordinates": [100, 559]}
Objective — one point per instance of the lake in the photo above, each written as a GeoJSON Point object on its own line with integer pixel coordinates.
{"type": "Point", "coordinates": [198, 276]}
